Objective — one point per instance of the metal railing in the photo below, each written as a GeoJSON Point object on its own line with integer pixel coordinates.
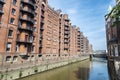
{"type": "Point", "coordinates": [25, 41]}
{"type": "Point", "coordinates": [29, 2]}
{"type": "Point", "coordinates": [27, 19]}
{"type": "Point", "coordinates": [27, 10]}
{"type": "Point", "coordinates": [30, 28]}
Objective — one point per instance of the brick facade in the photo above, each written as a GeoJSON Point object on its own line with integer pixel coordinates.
{"type": "Point", "coordinates": [32, 28]}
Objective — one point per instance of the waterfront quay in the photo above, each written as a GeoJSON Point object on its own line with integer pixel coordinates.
{"type": "Point", "coordinates": [81, 70]}
{"type": "Point", "coordinates": [16, 71]}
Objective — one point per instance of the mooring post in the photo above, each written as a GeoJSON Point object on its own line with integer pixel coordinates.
{"type": "Point", "coordinates": [90, 57]}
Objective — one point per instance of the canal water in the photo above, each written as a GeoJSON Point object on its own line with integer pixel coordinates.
{"type": "Point", "coordinates": [84, 70]}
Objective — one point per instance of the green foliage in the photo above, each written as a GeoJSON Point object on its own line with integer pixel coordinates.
{"type": "Point", "coordinates": [115, 15]}
{"type": "Point", "coordinates": [1, 77]}
{"type": "Point", "coordinates": [116, 12]}
{"type": "Point", "coordinates": [20, 74]}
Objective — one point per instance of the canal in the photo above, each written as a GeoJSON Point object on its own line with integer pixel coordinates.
{"type": "Point", "coordinates": [84, 70]}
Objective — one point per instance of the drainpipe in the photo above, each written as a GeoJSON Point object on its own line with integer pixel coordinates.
{"type": "Point", "coordinates": [7, 26]}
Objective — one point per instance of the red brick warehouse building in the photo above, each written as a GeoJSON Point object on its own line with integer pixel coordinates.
{"type": "Point", "coordinates": [31, 28]}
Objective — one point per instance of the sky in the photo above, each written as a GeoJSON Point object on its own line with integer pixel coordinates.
{"type": "Point", "coordinates": [89, 16]}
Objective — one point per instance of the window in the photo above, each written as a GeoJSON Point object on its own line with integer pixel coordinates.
{"type": "Point", "coordinates": [32, 57]}
{"type": "Point", "coordinates": [13, 11]}
{"type": "Point", "coordinates": [17, 47]}
{"type": "Point", "coordinates": [15, 58]}
{"type": "Point", "coordinates": [8, 58]}
{"type": "Point", "coordinates": [8, 48]}
{"type": "Point", "coordinates": [10, 33]}
{"type": "Point", "coordinates": [33, 38]}
{"type": "Point", "coordinates": [34, 29]}
{"type": "Point", "coordinates": [12, 20]}
{"type": "Point", "coordinates": [35, 21]}
{"type": "Point", "coordinates": [33, 49]}
{"type": "Point", "coordinates": [14, 2]}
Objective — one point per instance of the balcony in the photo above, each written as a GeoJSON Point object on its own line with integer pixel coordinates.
{"type": "Point", "coordinates": [66, 33]}
{"type": "Point", "coordinates": [29, 2]}
{"type": "Point", "coordinates": [42, 21]}
{"type": "Point", "coordinates": [28, 41]}
{"type": "Point", "coordinates": [66, 29]}
{"type": "Point", "coordinates": [40, 46]}
{"type": "Point", "coordinates": [2, 1]}
{"type": "Point", "coordinates": [43, 7]}
{"type": "Point", "coordinates": [66, 48]}
{"type": "Point", "coordinates": [28, 28]}
{"type": "Point", "coordinates": [66, 37]}
{"type": "Point", "coordinates": [27, 19]}
{"type": "Point", "coordinates": [1, 11]}
{"type": "Point", "coordinates": [41, 28]}
{"type": "Point", "coordinates": [42, 15]}
{"type": "Point", "coordinates": [66, 41]}
{"type": "Point", "coordinates": [66, 25]}
{"type": "Point", "coordinates": [27, 10]}
{"type": "Point", "coordinates": [41, 37]}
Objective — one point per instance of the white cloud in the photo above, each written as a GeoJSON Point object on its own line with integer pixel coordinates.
{"type": "Point", "coordinates": [71, 11]}
{"type": "Point", "coordinates": [97, 38]}
{"type": "Point", "coordinates": [91, 33]}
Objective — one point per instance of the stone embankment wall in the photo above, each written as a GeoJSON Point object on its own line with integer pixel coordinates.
{"type": "Point", "coordinates": [12, 74]}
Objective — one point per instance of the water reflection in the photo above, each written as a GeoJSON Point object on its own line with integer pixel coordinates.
{"type": "Point", "coordinates": [98, 70]}
{"type": "Point", "coordinates": [84, 70]}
